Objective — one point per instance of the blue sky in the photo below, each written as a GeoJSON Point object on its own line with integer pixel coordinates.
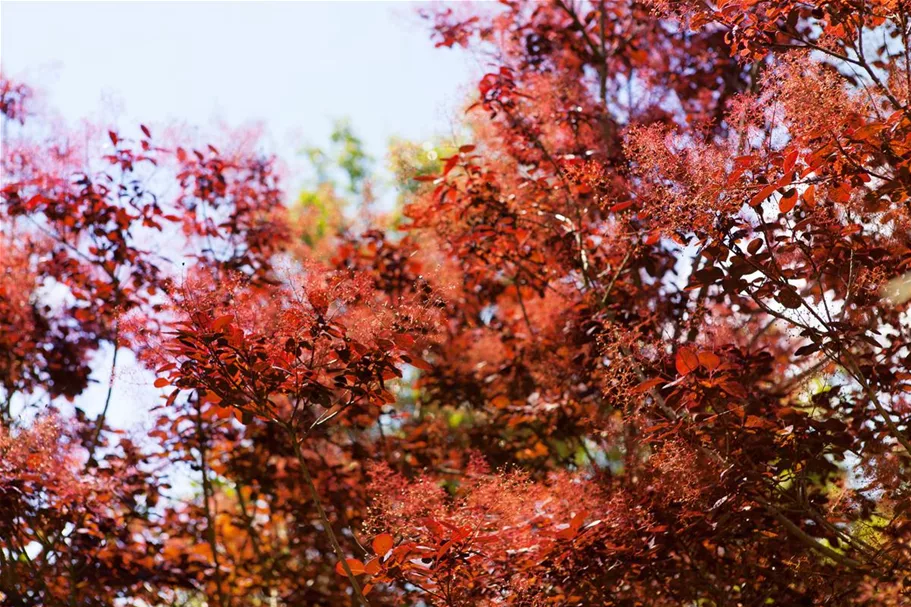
{"type": "Point", "coordinates": [294, 66]}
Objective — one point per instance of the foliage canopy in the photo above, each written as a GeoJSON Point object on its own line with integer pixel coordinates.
{"type": "Point", "coordinates": [640, 342]}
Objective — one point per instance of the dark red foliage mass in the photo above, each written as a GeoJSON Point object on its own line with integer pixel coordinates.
{"type": "Point", "coordinates": [643, 341]}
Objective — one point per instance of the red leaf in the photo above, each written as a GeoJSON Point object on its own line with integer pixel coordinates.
{"type": "Point", "coordinates": [318, 300]}
{"type": "Point", "coordinates": [789, 162]}
{"type": "Point", "coordinates": [646, 385]}
{"type": "Point", "coordinates": [161, 382]}
{"type": "Point", "coordinates": [709, 360]}
{"type": "Point", "coordinates": [763, 194]}
{"type": "Point", "coordinates": [577, 521]}
{"type": "Point", "coordinates": [221, 322]}
{"type": "Point", "coordinates": [420, 363]}
{"type": "Point", "coordinates": [374, 566]}
{"type": "Point", "coordinates": [687, 361]}
{"type": "Point", "coordinates": [382, 544]}
{"type": "Point", "coordinates": [145, 130]}
{"type": "Point", "coordinates": [809, 196]}
{"type": "Point", "coordinates": [788, 201]}
{"type": "Point", "coordinates": [34, 202]}
{"type": "Point", "coordinates": [754, 421]}
{"type": "Point", "coordinates": [734, 389]}
{"type": "Point", "coordinates": [210, 397]}
{"type": "Point", "coordinates": [500, 401]}
{"type": "Point", "coordinates": [450, 164]}
{"type": "Point", "coordinates": [620, 206]}
{"type": "Point", "coordinates": [357, 567]}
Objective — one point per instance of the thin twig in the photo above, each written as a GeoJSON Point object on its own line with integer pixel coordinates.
{"type": "Point", "coordinates": [322, 515]}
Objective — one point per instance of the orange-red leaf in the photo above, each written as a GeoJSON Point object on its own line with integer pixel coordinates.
{"type": "Point", "coordinates": [420, 363]}
{"type": "Point", "coordinates": [374, 566]}
{"type": "Point", "coordinates": [620, 206]}
{"type": "Point", "coordinates": [763, 194]}
{"type": "Point", "coordinates": [687, 361]}
{"type": "Point", "coordinates": [500, 401]}
{"type": "Point", "coordinates": [221, 322]}
{"type": "Point", "coordinates": [709, 360]}
{"type": "Point", "coordinates": [382, 544]}
{"type": "Point", "coordinates": [357, 567]}
{"type": "Point", "coordinates": [788, 201]}
{"type": "Point", "coordinates": [789, 162]}
{"type": "Point", "coordinates": [809, 196]}
{"type": "Point", "coordinates": [753, 421]}
{"type": "Point", "coordinates": [647, 385]}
